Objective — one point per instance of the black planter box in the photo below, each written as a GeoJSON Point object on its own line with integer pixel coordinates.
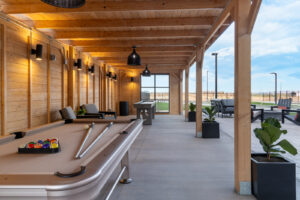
{"type": "Point", "coordinates": [192, 116]}
{"type": "Point", "coordinates": [273, 180]}
{"type": "Point", "coordinates": [210, 130]}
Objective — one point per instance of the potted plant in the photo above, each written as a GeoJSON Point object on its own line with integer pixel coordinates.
{"type": "Point", "coordinates": [273, 177]}
{"type": "Point", "coordinates": [192, 112]}
{"type": "Point", "coordinates": [210, 128]}
{"type": "Point", "coordinates": [81, 111]}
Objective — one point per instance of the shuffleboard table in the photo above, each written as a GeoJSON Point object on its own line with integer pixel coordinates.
{"type": "Point", "coordinates": [61, 175]}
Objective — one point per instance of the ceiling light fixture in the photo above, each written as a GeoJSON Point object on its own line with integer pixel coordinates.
{"type": "Point", "coordinates": [134, 58]}
{"type": "Point", "coordinates": [146, 72]}
{"type": "Point", "coordinates": [65, 3]}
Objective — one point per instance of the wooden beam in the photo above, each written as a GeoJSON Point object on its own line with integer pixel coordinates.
{"type": "Point", "coordinates": [108, 6]}
{"type": "Point", "coordinates": [48, 85]}
{"type": "Point", "coordinates": [101, 23]}
{"type": "Point", "coordinates": [150, 62]}
{"type": "Point", "coordinates": [135, 42]}
{"type": "Point", "coordinates": [199, 66]}
{"type": "Point", "coordinates": [145, 59]}
{"type": "Point", "coordinates": [3, 80]}
{"type": "Point", "coordinates": [140, 49]}
{"type": "Point", "coordinates": [152, 66]}
{"type": "Point", "coordinates": [63, 84]}
{"type": "Point", "coordinates": [195, 33]}
{"type": "Point", "coordinates": [87, 85]}
{"type": "Point", "coordinates": [242, 98]}
{"type": "Point", "coordinates": [29, 113]}
{"type": "Point", "coordinates": [219, 22]}
{"type": "Point", "coordinates": [142, 54]}
{"type": "Point", "coordinates": [71, 79]}
{"type": "Point", "coordinates": [186, 93]}
{"type": "Point", "coordinates": [253, 14]}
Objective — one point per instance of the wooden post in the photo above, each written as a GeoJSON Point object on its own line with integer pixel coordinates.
{"type": "Point", "coordinates": [63, 83]}
{"type": "Point", "coordinates": [87, 85]}
{"type": "Point", "coordinates": [29, 80]}
{"type": "Point", "coordinates": [180, 91]}
{"type": "Point", "coordinates": [48, 84]}
{"type": "Point", "coordinates": [78, 88]}
{"type": "Point", "coordinates": [105, 87]}
{"type": "Point", "coordinates": [242, 98]}
{"type": "Point", "coordinates": [199, 63]}
{"type": "Point", "coordinates": [186, 94]}
{"type": "Point", "coordinates": [100, 88]}
{"type": "Point", "coordinates": [3, 80]}
{"type": "Point", "coordinates": [94, 87]}
{"type": "Point", "coordinates": [71, 79]}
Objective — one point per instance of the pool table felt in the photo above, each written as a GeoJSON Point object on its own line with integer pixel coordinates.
{"type": "Point", "coordinates": [69, 136]}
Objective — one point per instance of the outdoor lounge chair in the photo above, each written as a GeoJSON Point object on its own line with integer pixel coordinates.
{"type": "Point", "coordinates": [256, 114]}
{"type": "Point", "coordinates": [227, 106]}
{"type": "Point", "coordinates": [283, 104]}
{"type": "Point", "coordinates": [293, 118]}
{"type": "Point", "coordinates": [91, 109]}
{"type": "Point", "coordinates": [68, 114]}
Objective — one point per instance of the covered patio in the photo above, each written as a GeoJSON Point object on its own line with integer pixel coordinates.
{"type": "Point", "coordinates": [84, 61]}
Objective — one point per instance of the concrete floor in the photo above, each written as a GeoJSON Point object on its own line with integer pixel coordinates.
{"type": "Point", "coordinates": [168, 162]}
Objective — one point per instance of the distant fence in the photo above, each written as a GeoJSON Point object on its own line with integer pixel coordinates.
{"type": "Point", "coordinates": [255, 97]}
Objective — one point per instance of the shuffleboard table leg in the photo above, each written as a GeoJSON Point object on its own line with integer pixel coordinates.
{"type": "Point", "coordinates": [125, 179]}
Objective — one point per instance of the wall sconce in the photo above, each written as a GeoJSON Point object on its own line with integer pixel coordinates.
{"type": "Point", "coordinates": [131, 79]}
{"type": "Point", "coordinates": [52, 57]}
{"type": "Point", "coordinates": [38, 52]}
{"type": "Point", "coordinates": [115, 77]}
{"type": "Point", "coordinates": [92, 69]}
{"type": "Point", "coordinates": [109, 74]}
{"type": "Point", "coordinates": [78, 64]}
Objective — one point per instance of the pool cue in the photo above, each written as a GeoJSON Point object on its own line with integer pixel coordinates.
{"type": "Point", "coordinates": [96, 140]}
{"type": "Point", "coordinates": [88, 133]}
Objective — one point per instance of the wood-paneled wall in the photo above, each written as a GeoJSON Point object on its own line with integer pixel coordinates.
{"type": "Point", "coordinates": [32, 91]}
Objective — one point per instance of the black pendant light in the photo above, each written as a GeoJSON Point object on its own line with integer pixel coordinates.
{"type": "Point", "coordinates": [134, 58]}
{"type": "Point", "coordinates": [146, 72]}
{"type": "Point", "coordinates": [65, 3]}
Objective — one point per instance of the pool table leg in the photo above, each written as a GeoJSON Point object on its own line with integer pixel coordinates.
{"type": "Point", "coordinates": [125, 179]}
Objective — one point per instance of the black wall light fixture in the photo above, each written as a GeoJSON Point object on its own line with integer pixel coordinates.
{"type": "Point", "coordinates": [146, 72]}
{"type": "Point", "coordinates": [78, 64]}
{"type": "Point", "coordinates": [52, 57]}
{"type": "Point", "coordinates": [115, 77]}
{"type": "Point", "coordinates": [92, 69]}
{"type": "Point", "coordinates": [134, 58]}
{"type": "Point", "coordinates": [65, 3]}
{"type": "Point", "coordinates": [109, 74]}
{"type": "Point", "coordinates": [131, 79]}
{"type": "Point", "coordinates": [38, 52]}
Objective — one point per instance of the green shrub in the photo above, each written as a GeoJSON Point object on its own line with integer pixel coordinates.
{"type": "Point", "coordinates": [192, 107]}
{"type": "Point", "coordinates": [211, 112]}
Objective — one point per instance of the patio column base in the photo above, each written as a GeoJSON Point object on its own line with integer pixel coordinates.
{"type": "Point", "coordinates": [199, 135]}
{"type": "Point", "coordinates": [245, 188]}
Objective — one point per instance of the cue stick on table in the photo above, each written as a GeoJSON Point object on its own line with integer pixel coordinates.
{"type": "Point", "coordinates": [96, 140]}
{"type": "Point", "coordinates": [90, 130]}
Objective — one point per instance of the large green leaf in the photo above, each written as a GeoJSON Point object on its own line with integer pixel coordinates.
{"type": "Point", "coordinates": [273, 132]}
{"type": "Point", "coordinates": [286, 145]}
{"type": "Point", "coordinates": [264, 136]}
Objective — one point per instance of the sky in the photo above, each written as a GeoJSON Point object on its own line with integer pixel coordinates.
{"type": "Point", "coordinates": [275, 48]}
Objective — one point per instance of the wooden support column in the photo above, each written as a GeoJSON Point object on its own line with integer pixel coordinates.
{"type": "Point", "coordinates": [242, 98]}
{"type": "Point", "coordinates": [199, 63]}
{"type": "Point", "coordinates": [180, 91]}
{"type": "Point", "coordinates": [63, 83]}
{"type": "Point", "coordinates": [94, 87]}
{"type": "Point", "coordinates": [71, 79]}
{"type": "Point", "coordinates": [78, 89]}
{"type": "Point", "coordinates": [3, 80]}
{"type": "Point", "coordinates": [87, 85]}
{"type": "Point", "coordinates": [100, 88]}
{"type": "Point", "coordinates": [186, 94]}
{"type": "Point", "coordinates": [48, 84]}
{"type": "Point", "coordinates": [29, 117]}
{"type": "Point", "coordinates": [105, 87]}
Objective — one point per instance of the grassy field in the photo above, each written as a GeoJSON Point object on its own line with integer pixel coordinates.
{"type": "Point", "coordinates": [162, 106]}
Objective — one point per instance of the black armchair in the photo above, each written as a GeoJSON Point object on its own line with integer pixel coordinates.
{"type": "Point", "coordinates": [293, 118]}
{"type": "Point", "coordinates": [286, 103]}
{"type": "Point", "coordinates": [91, 109]}
{"type": "Point", "coordinates": [257, 114]}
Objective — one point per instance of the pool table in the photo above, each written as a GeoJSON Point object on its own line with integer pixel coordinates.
{"type": "Point", "coordinates": [38, 176]}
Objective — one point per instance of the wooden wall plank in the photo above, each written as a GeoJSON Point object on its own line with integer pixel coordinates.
{"type": "Point", "coordinates": [29, 80]}
{"type": "Point", "coordinates": [48, 85]}
{"type": "Point", "coordinates": [71, 79]}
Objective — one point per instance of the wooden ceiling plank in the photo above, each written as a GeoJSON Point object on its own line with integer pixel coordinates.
{"type": "Point", "coordinates": [138, 43]}
{"type": "Point", "coordinates": [100, 23]}
{"type": "Point", "coordinates": [121, 34]}
{"type": "Point", "coordinates": [109, 6]}
{"type": "Point", "coordinates": [140, 49]}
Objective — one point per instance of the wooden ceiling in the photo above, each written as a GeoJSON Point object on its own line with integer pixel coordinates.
{"type": "Point", "coordinates": [166, 32]}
